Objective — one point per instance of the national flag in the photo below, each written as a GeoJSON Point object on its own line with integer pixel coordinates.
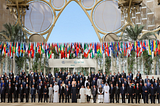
{"type": "Point", "coordinates": [85, 50]}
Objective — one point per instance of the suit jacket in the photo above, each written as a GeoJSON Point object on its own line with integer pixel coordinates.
{"type": "Point", "coordinates": [70, 87]}
{"type": "Point", "coordinates": [3, 90]}
{"type": "Point", "coordinates": [33, 91]}
{"type": "Point", "coordinates": [123, 91]}
{"type": "Point", "coordinates": [124, 75]}
{"type": "Point", "coordinates": [50, 90]}
{"type": "Point", "coordinates": [112, 91]}
{"type": "Point", "coordinates": [27, 91]}
{"type": "Point", "coordinates": [9, 90]}
{"type": "Point", "coordinates": [94, 91]}
{"type": "Point", "coordinates": [130, 90]}
{"type": "Point", "coordinates": [158, 90]}
{"type": "Point", "coordinates": [138, 90]}
{"type": "Point", "coordinates": [94, 83]}
{"type": "Point", "coordinates": [118, 76]}
{"type": "Point", "coordinates": [67, 91]}
{"type": "Point", "coordinates": [145, 88]}
{"type": "Point", "coordinates": [60, 74]}
{"type": "Point", "coordinates": [152, 90]}
{"type": "Point", "coordinates": [61, 90]}
{"type": "Point", "coordinates": [39, 89]}
{"type": "Point", "coordinates": [117, 90]}
{"type": "Point", "coordinates": [110, 77]}
{"type": "Point", "coordinates": [63, 77]}
{"type": "Point", "coordinates": [152, 81]}
{"type": "Point", "coordinates": [45, 90]}
{"type": "Point", "coordinates": [146, 80]}
{"type": "Point", "coordinates": [21, 91]}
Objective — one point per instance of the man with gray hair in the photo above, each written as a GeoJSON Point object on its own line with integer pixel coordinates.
{"type": "Point", "coordinates": [50, 93]}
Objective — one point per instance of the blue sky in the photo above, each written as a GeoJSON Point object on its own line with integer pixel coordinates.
{"type": "Point", "coordinates": [73, 26]}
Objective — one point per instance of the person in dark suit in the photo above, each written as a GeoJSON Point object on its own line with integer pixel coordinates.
{"type": "Point", "coordinates": [40, 93]}
{"type": "Point", "coordinates": [11, 75]}
{"type": "Point", "coordinates": [130, 92]}
{"type": "Point", "coordinates": [81, 81]}
{"type": "Point", "coordinates": [70, 87]}
{"type": "Point", "coordinates": [146, 80]}
{"type": "Point", "coordinates": [27, 93]}
{"type": "Point", "coordinates": [3, 93]}
{"type": "Point", "coordinates": [98, 74]}
{"type": "Point", "coordinates": [152, 93]}
{"type": "Point", "coordinates": [10, 91]}
{"type": "Point", "coordinates": [66, 73]}
{"type": "Point", "coordinates": [78, 86]}
{"type": "Point", "coordinates": [117, 92]}
{"type": "Point", "coordinates": [119, 83]}
{"type": "Point", "coordinates": [63, 76]}
{"type": "Point", "coordinates": [33, 93]}
{"type": "Point", "coordinates": [123, 92]}
{"type": "Point", "coordinates": [123, 74]}
{"type": "Point", "coordinates": [56, 74]}
{"type": "Point", "coordinates": [145, 93]}
{"type": "Point", "coordinates": [89, 77]}
{"type": "Point", "coordinates": [15, 93]}
{"type": "Point", "coordinates": [152, 80]}
{"type": "Point", "coordinates": [94, 82]}
{"type": "Point", "coordinates": [60, 74]}
{"type": "Point", "coordinates": [137, 92]}
{"type": "Point", "coordinates": [111, 92]}
{"type": "Point", "coordinates": [158, 93]}
{"type": "Point", "coordinates": [66, 94]}
{"type": "Point", "coordinates": [21, 92]}
{"type": "Point", "coordinates": [45, 92]}
{"type": "Point", "coordinates": [66, 81]}
{"type": "Point", "coordinates": [61, 93]}
{"type": "Point", "coordinates": [138, 74]}
{"type": "Point", "coordinates": [94, 93]}
{"type": "Point", "coordinates": [110, 77]}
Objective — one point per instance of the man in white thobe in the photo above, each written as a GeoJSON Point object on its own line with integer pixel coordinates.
{"type": "Point", "coordinates": [82, 93]}
{"type": "Point", "coordinates": [56, 92]}
{"type": "Point", "coordinates": [106, 93]}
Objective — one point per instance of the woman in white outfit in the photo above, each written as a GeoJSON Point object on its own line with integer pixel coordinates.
{"type": "Point", "coordinates": [56, 93]}
{"type": "Point", "coordinates": [88, 94]}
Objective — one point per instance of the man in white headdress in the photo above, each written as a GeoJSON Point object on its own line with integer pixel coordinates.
{"type": "Point", "coordinates": [106, 93]}
{"type": "Point", "coordinates": [82, 93]}
{"type": "Point", "coordinates": [56, 93]}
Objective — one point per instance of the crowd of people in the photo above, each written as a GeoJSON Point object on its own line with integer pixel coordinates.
{"type": "Point", "coordinates": [64, 86]}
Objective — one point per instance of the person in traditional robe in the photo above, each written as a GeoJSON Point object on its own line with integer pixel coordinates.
{"type": "Point", "coordinates": [106, 93]}
{"type": "Point", "coordinates": [56, 90]}
{"type": "Point", "coordinates": [82, 93]}
{"type": "Point", "coordinates": [100, 94]}
{"type": "Point", "coordinates": [73, 93]}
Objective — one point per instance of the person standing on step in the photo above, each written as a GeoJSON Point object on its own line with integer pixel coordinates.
{"type": "Point", "coordinates": [94, 93]}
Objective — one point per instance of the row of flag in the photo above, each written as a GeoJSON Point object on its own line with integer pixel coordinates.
{"type": "Point", "coordinates": [87, 49]}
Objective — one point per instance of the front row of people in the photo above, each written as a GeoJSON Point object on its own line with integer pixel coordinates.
{"type": "Point", "coordinates": [106, 94]}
